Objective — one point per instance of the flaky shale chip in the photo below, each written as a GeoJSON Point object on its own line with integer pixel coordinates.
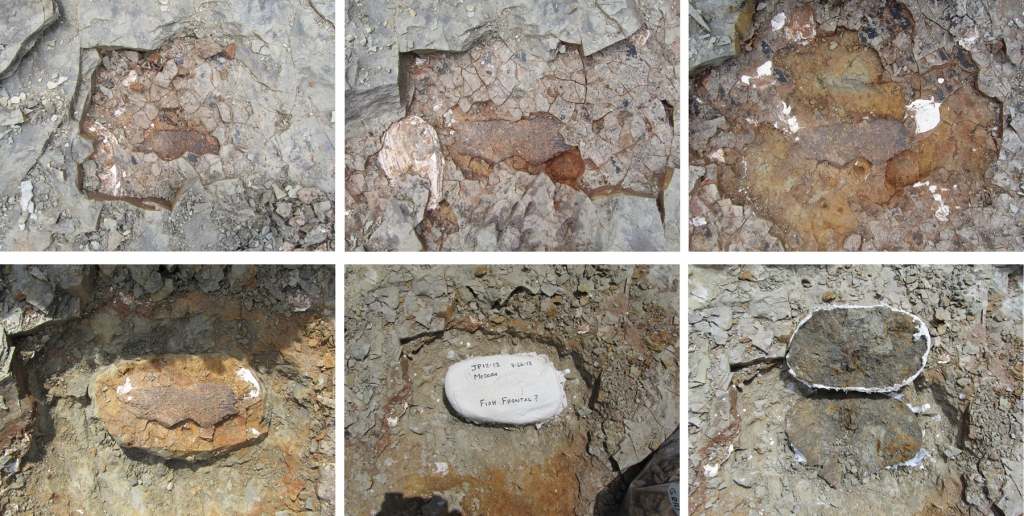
{"type": "Point", "coordinates": [181, 406]}
{"type": "Point", "coordinates": [859, 348]}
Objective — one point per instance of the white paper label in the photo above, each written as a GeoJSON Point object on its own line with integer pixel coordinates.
{"type": "Point", "coordinates": [518, 389]}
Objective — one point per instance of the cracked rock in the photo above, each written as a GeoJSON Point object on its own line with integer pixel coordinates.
{"type": "Point", "coordinates": [20, 27]}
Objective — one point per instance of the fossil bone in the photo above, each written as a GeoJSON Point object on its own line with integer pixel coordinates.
{"type": "Point", "coordinates": [411, 144]}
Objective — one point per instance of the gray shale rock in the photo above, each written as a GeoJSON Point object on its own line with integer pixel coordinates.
{"type": "Point", "coordinates": [20, 27]}
{"type": "Point", "coordinates": [864, 349]}
{"type": "Point", "coordinates": [717, 28]}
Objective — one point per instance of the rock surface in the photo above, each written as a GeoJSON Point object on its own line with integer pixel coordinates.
{"type": "Point", "coordinates": [541, 112]}
{"type": "Point", "coordinates": [863, 349]}
{"type": "Point", "coordinates": [256, 82]}
{"type": "Point", "coordinates": [612, 327]}
{"type": "Point", "coordinates": [519, 389]}
{"type": "Point", "coordinates": [862, 434]}
{"type": "Point", "coordinates": [966, 402]}
{"type": "Point", "coordinates": [718, 29]}
{"type": "Point", "coordinates": [277, 322]}
{"type": "Point", "coordinates": [20, 410]}
{"type": "Point", "coordinates": [20, 27]}
{"type": "Point", "coordinates": [181, 406]}
{"type": "Point", "coordinates": [856, 126]}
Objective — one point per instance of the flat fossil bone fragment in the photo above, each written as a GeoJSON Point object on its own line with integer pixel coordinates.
{"type": "Point", "coordinates": [207, 404]}
{"type": "Point", "coordinates": [519, 389]}
{"type": "Point", "coordinates": [859, 348]}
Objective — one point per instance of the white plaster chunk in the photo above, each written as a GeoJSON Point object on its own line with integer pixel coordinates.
{"type": "Point", "coordinates": [520, 389]}
{"type": "Point", "coordinates": [925, 113]}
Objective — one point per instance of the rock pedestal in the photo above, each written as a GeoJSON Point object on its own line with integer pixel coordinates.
{"type": "Point", "coordinates": [863, 349]}
{"type": "Point", "coordinates": [866, 432]}
{"type": "Point", "coordinates": [181, 406]}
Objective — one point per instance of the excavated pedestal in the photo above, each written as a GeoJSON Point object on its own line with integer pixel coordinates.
{"type": "Point", "coordinates": [181, 406]}
{"type": "Point", "coordinates": [859, 348]}
{"type": "Point", "coordinates": [862, 434]}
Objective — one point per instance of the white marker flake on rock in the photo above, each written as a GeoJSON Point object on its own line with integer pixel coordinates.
{"type": "Point", "coordinates": [250, 378]}
{"type": "Point", "coordinates": [765, 69]}
{"type": "Point", "coordinates": [925, 113]}
{"type": "Point", "coordinates": [126, 388]}
{"type": "Point", "coordinates": [520, 389]}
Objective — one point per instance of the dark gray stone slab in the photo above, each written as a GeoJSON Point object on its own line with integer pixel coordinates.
{"type": "Point", "coordinates": [864, 349]}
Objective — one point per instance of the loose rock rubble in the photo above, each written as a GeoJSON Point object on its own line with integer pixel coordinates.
{"type": "Point", "coordinates": [966, 403]}
{"type": "Point", "coordinates": [169, 126]}
{"type": "Point", "coordinates": [557, 124]}
{"type": "Point", "coordinates": [863, 125]}
{"type": "Point", "coordinates": [612, 332]}
{"type": "Point", "coordinates": [227, 370]}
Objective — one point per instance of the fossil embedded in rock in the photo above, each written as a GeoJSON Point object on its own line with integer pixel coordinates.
{"type": "Point", "coordinates": [876, 141]}
{"type": "Point", "coordinates": [535, 140]}
{"type": "Point", "coordinates": [859, 348]}
{"type": "Point", "coordinates": [410, 145]}
{"type": "Point", "coordinates": [206, 403]}
{"type": "Point", "coordinates": [180, 406]}
{"type": "Point", "coordinates": [150, 109]}
{"type": "Point", "coordinates": [868, 432]}
{"type": "Point", "coordinates": [173, 144]}
{"type": "Point", "coordinates": [837, 140]}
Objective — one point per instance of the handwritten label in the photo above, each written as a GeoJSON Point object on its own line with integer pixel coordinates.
{"type": "Point", "coordinates": [518, 389]}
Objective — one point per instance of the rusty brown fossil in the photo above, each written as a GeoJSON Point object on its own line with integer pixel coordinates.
{"type": "Point", "coordinates": [173, 144]}
{"type": "Point", "coordinates": [207, 404]}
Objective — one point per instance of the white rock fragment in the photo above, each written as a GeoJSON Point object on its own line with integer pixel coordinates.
{"type": "Point", "coordinates": [411, 144]}
{"type": "Point", "coordinates": [778, 21]}
{"type": "Point", "coordinates": [53, 84]}
{"type": "Point", "coordinates": [247, 376]}
{"type": "Point", "coordinates": [925, 113]}
{"type": "Point", "coordinates": [710, 470]}
{"type": "Point", "coordinates": [916, 461]}
{"type": "Point", "coordinates": [765, 69]}
{"type": "Point", "coordinates": [520, 389]}
{"type": "Point", "coordinates": [799, 456]}
{"type": "Point", "coordinates": [27, 206]}
{"type": "Point", "coordinates": [126, 388]}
